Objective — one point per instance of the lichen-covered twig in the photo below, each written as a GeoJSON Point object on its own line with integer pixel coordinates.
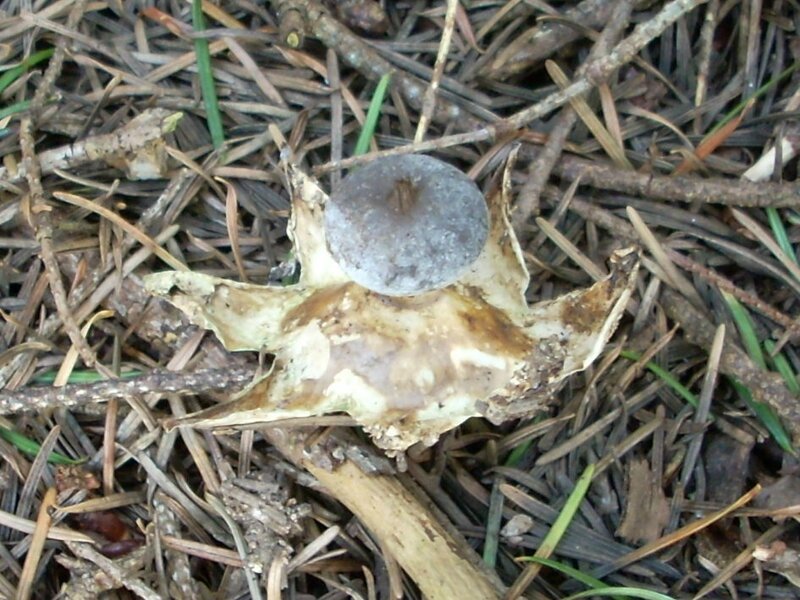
{"type": "Point", "coordinates": [38, 398]}
{"type": "Point", "coordinates": [182, 585]}
{"type": "Point", "coordinates": [148, 127]}
{"type": "Point", "coordinates": [88, 581]}
{"type": "Point", "coordinates": [115, 569]}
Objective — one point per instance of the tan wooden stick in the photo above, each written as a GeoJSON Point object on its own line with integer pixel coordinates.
{"type": "Point", "coordinates": [434, 555]}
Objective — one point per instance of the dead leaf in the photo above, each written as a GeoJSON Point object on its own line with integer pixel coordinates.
{"type": "Point", "coordinates": [646, 507]}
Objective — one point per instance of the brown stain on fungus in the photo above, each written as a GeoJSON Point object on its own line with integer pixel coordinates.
{"type": "Point", "coordinates": [250, 402]}
{"type": "Point", "coordinates": [317, 306]}
{"type": "Point", "coordinates": [411, 351]}
{"type": "Point", "coordinates": [442, 316]}
{"type": "Point", "coordinates": [491, 328]}
{"type": "Point", "coordinates": [583, 312]}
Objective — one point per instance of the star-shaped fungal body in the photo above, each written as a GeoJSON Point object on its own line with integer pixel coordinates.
{"type": "Point", "coordinates": [410, 312]}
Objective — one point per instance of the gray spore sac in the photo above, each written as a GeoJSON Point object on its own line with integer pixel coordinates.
{"type": "Point", "coordinates": [404, 225]}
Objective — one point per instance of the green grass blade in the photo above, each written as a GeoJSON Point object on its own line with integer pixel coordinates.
{"type": "Point", "coordinates": [28, 446]}
{"type": "Point", "coordinates": [567, 513]}
{"type": "Point", "coordinates": [373, 113]}
{"type": "Point", "coordinates": [79, 376]}
{"type": "Point", "coordinates": [752, 345]}
{"type": "Point", "coordinates": [518, 453]}
{"type": "Point", "coordinates": [207, 88]}
{"type": "Point", "coordinates": [19, 107]}
{"type": "Point", "coordinates": [494, 518]}
{"type": "Point", "coordinates": [759, 92]}
{"type": "Point", "coordinates": [554, 536]}
{"type": "Point", "coordinates": [15, 108]}
{"type": "Point", "coordinates": [665, 376]}
{"type": "Point", "coordinates": [560, 525]}
{"type": "Point", "coordinates": [627, 592]}
{"type": "Point", "coordinates": [571, 572]}
{"type": "Point", "coordinates": [793, 217]}
{"type": "Point", "coordinates": [747, 330]}
{"type": "Point", "coordinates": [14, 73]}
{"type": "Point", "coordinates": [766, 415]}
{"type": "Point", "coordinates": [782, 366]}
{"type": "Point", "coordinates": [780, 233]}
{"type": "Point", "coordinates": [596, 584]}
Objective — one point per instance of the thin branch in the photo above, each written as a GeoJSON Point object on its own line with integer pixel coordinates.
{"type": "Point", "coordinates": [713, 190]}
{"type": "Point", "coordinates": [160, 382]}
{"type": "Point", "coordinates": [356, 53]}
{"type": "Point", "coordinates": [547, 37]}
{"type": "Point", "coordinates": [431, 551]}
{"type": "Point", "coordinates": [429, 102]}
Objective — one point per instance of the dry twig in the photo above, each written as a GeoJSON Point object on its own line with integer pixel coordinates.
{"type": "Point", "coordinates": [680, 189]}
{"type": "Point", "coordinates": [110, 567]}
{"type": "Point", "coordinates": [434, 555]}
{"type": "Point", "coordinates": [429, 101]}
{"type": "Point", "coordinates": [547, 38]}
{"type": "Point", "coordinates": [156, 382]}
{"type": "Point", "coordinates": [360, 56]}
{"type": "Point", "coordinates": [766, 387]}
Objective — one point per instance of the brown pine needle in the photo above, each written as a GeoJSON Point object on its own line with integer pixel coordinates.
{"type": "Point", "coordinates": [26, 581]}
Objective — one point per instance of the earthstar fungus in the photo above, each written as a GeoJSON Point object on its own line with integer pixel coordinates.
{"type": "Point", "coordinates": [419, 353]}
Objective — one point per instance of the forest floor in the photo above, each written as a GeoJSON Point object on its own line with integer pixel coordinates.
{"type": "Point", "coordinates": [144, 139]}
